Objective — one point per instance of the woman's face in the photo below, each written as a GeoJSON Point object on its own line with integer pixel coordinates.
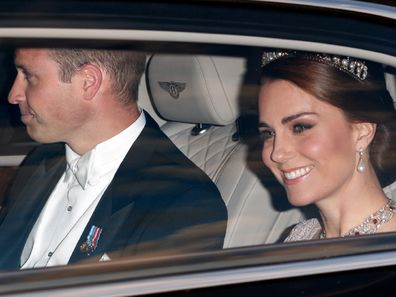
{"type": "Point", "coordinates": [308, 144]}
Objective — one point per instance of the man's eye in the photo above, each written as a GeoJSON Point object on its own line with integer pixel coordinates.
{"type": "Point", "coordinates": [300, 128]}
{"type": "Point", "coordinates": [28, 76]}
{"type": "Point", "coordinates": [266, 134]}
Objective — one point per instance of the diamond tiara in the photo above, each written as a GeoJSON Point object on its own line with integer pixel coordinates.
{"type": "Point", "coordinates": [354, 67]}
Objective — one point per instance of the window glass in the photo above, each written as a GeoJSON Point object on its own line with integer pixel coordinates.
{"type": "Point", "coordinates": [205, 100]}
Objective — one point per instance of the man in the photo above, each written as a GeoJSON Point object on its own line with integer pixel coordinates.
{"type": "Point", "coordinates": [107, 183]}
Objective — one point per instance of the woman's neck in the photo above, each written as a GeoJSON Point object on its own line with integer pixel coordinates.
{"type": "Point", "coordinates": [351, 205]}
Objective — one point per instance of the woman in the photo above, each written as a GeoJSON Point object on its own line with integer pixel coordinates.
{"type": "Point", "coordinates": [325, 123]}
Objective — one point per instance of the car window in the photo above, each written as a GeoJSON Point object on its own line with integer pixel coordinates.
{"type": "Point", "coordinates": [202, 89]}
{"type": "Point", "coordinates": [231, 74]}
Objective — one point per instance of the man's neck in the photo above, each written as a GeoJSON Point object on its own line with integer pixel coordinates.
{"type": "Point", "coordinates": [102, 130]}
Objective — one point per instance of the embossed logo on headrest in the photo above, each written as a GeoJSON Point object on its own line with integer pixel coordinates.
{"type": "Point", "coordinates": [173, 88]}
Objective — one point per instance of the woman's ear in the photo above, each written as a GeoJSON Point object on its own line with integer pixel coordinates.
{"type": "Point", "coordinates": [365, 133]}
{"type": "Point", "coordinates": [91, 77]}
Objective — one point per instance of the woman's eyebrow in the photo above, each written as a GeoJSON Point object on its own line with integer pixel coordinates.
{"type": "Point", "coordinates": [295, 116]}
{"type": "Point", "coordinates": [287, 119]}
{"type": "Point", "coordinates": [263, 124]}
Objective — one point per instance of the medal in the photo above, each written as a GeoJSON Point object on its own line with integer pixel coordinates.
{"type": "Point", "coordinates": [91, 243]}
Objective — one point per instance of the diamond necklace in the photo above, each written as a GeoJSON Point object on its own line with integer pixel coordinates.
{"type": "Point", "coordinates": [371, 224]}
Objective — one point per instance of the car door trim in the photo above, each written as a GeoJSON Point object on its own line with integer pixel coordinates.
{"type": "Point", "coordinates": [176, 36]}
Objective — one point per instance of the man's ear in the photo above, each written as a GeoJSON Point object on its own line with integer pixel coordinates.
{"type": "Point", "coordinates": [365, 134]}
{"type": "Point", "coordinates": [91, 77]}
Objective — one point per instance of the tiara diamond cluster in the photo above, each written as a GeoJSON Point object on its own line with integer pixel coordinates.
{"type": "Point", "coordinates": [354, 67]}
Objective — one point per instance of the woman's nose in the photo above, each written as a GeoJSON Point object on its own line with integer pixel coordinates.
{"type": "Point", "coordinates": [282, 150]}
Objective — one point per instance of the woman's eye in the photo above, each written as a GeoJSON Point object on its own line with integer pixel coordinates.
{"type": "Point", "coordinates": [266, 134]}
{"type": "Point", "coordinates": [300, 128]}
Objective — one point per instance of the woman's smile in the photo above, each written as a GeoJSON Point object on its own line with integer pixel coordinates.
{"type": "Point", "coordinates": [295, 174]}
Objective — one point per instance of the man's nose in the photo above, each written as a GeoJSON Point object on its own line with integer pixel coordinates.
{"type": "Point", "coordinates": [17, 93]}
{"type": "Point", "coordinates": [282, 150]}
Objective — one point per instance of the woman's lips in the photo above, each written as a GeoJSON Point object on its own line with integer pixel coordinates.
{"type": "Point", "coordinates": [292, 176]}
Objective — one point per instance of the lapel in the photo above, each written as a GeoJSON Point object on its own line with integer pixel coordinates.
{"type": "Point", "coordinates": [121, 197]}
{"type": "Point", "coordinates": [39, 174]}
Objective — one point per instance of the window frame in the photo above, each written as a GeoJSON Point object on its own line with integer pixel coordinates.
{"type": "Point", "coordinates": [240, 265]}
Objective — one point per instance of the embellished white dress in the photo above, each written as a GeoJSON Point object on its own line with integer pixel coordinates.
{"type": "Point", "coordinates": [306, 230]}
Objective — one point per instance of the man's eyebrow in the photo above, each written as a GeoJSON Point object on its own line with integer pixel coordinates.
{"type": "Point", "coordinates": [23, 68]}
{"type": "Point", "coordinates": [295, 116]}
{"type": "Point", "coordinates": [18, 65]}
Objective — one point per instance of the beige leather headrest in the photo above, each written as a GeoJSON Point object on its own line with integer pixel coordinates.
{"type": "Point", "coordinates": [196, 89]}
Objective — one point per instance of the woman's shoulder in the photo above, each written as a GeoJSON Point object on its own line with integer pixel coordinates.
{"type": "Point", "coordinates": [305, 230]}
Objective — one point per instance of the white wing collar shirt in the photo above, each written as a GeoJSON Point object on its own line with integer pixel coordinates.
{"type": "Point", "coordinates": [74, 199]}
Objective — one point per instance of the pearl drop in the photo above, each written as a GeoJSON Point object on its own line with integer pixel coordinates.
{"type": "Point", "coordinates": [361, 167]}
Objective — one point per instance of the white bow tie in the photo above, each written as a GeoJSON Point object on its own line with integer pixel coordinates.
{"type": "Point", "coordinates": [81, 169]}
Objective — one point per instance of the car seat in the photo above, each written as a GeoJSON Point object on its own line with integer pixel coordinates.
{"type": "Point", "coordinates": [198, 97]}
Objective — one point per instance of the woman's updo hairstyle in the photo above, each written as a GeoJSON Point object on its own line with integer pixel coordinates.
{"type": "Point", "coordinates": [358, 88]}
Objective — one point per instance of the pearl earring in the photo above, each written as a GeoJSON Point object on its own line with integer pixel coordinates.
{"type": "Point", "coordinates": [360, 166]}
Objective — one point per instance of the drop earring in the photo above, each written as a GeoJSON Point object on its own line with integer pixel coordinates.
{"type": "Point", "coordinates": [360, 166]}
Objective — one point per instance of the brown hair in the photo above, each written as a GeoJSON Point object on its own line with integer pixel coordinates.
{"type": "Point", "coordinates": [124, 67]}
{"type": "Point", "coordinates": [361, 100]}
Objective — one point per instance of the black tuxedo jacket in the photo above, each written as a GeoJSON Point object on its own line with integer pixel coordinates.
{"type": "Point", "coordinates": [158, 203]}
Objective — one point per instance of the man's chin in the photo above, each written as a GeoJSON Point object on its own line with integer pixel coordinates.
{"type": "Point", "coordinates": [38, 136]}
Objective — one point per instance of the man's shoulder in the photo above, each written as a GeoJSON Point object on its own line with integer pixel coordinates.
{"type": "Point", "coordinates": [174, 161]}
{"type": "Point", "coordinates": [155, 143]}
{"type": "Point", "coordinates": [168, 164]}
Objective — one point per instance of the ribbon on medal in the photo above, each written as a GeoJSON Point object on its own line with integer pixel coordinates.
{"type": "Point", "coordinates": [91, 243]}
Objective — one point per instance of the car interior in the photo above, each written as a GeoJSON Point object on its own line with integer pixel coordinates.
{"type": "Point", "coordinates": [203, 123]}
{"type": "Point", "coordinates": [201, 85]}
{"type": "Point", "coordinates": [206, 104]}
{"type": "Point", "coordinates": [206, 122]}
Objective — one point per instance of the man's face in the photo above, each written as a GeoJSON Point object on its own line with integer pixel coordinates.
{"type": "Point", "coordinates": [49, 107]}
